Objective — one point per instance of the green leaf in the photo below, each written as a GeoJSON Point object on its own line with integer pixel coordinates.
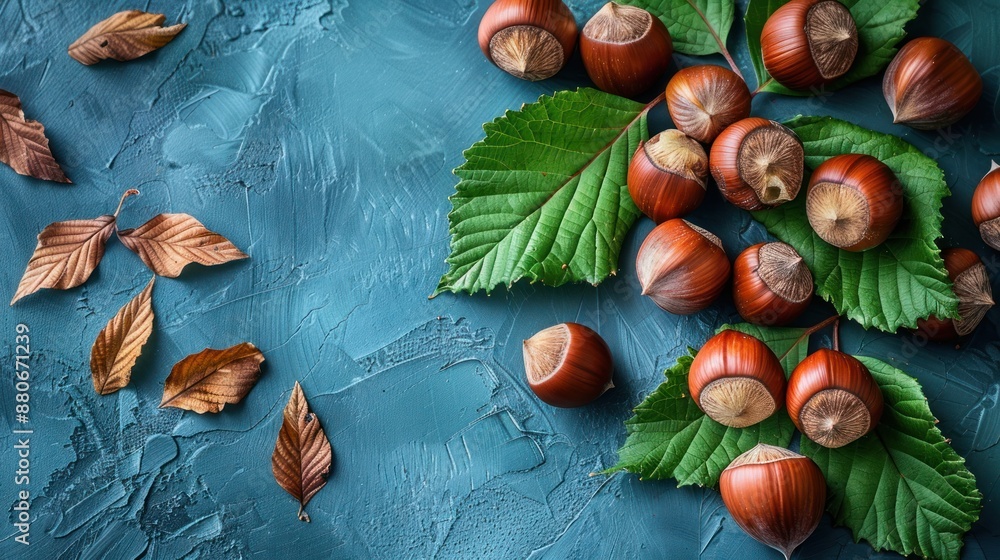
{"type": "Point", "coordinates": [898, 282]}
{"type": "Point", "coordinates": [670, 437]}
{"type": "Point", "coordinates": [903, 487]}
{"type": "Point", "coordinates": [880, 28]}
{"type": "Point", "coordinates": [697, 27]}
{"type": "Point", "coordinates": [544, 196]}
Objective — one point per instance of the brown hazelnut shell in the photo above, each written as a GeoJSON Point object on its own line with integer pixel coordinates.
{"type": "Point", "coordinates": [529, 39]}
{"type": "Point", "coordinates": [777, 496]}
{"type": "Point", "coordinates": [986, 208]}
{"type": "Point", "coordinates": [809, 43]}
{"type": "Point", "coordinates": [744, 158]}
{"type": "Point", "coordinates": [931, 84]}
{"type": "Point", "coordinates": [736, 379]}
{"type": "Point", "coordinates": [703, 100]}
{"type": "Point", "coordinates": [667, 176]}
{"type": "Point", "coordinates": [567, 365]}
{"type": "Point", "coordinates": [833, 399]}
{"type": "Point", "coordinates": [625, 49]}
{"type": "Point", "coordinates": [772, 285]}
{"type": "Point", "coordinates": [971, 283]}
{"type": "Point", "coordinates": [854, 201]}
{"type": "Point", "coordinates": [682, 267]}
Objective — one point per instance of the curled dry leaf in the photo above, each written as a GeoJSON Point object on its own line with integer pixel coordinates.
{"type": "Point", "coordinates": [124, 36]}
{"type": "Point", "coordinates": [23, 145]}
{"type": "Point", "coordinates": [211, 379]}
{"type": "Point", "coordinates": [120, 342]}
{"type": "Point", "coordinates": [67, 253]}
{"type": "Point", "coordinates": [302, 455]}
{"type": "Point", "coordinates": [169, 242]}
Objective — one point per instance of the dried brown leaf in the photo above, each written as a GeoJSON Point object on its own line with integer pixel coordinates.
{"type": "Point", "coordinates": [66, 255]}
{"type": "Point", "coordinates": [302, 455]}
{"type": "Point", "coordinates": [211, 379]}
{"type": "Point", "coordinates": [23, 145]}
{"type": "Point", "coordinates": [169, 242]}
{"type": "Point", "coordinates": [120, 342]}
{"type": "Point", "coordinates": [124, 36]}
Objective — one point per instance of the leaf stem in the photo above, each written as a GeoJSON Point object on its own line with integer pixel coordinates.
{"type": "Point", "coordinates": [761, 86]}
{"type": "Point", "coordinates": [127, 194]}
{"type": "Point", "coordinates": [835, 320]}
{"type": "Point", "coordinates": [722, 45]}
{"type": "Point", "coordinates": [836, 335]}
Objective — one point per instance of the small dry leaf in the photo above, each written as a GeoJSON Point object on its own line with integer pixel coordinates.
{"type": "Point", "coordinates": [169, 242]}
{"type": "Point", "coordinates": [68, 252]}
{"type": "Point", "coordinates": [302, 455]}
{"type": "Point", "coordinates": [66, 255]}
{"type": "Point", "coordinates": [23, 145]}
{"type": "Point", "coordinates": [211, 379]}
{"type": "Point", "coordinates": [119, 344]}
{"type": "Point", "coordinates": [124, 36]}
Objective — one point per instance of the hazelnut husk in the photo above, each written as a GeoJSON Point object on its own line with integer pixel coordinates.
{"type": "Point", "coordinates": [682, 267]}
{"type": "Point", "coordinates": [736, 379]}
{"type": "Point", "coordinates": [567, 365]}
{"type": "Point", "coordinates": [854, 201]}
{"type": "Point", "coordinates": [777, 496]}
{"type": "Point", "coordinates": [809, 43]}
{"type": "Point", "coordinates": [528, 39]}
{"type": "Point", "coordinates": [625, 49]}
{"type": "Point", "coordinates": [668, 175]}
{"type": "Point", "coordinates": [931, 84]}
{"type": "Point", "coordinates": [757, 163]}
{"type": "Point", "coordinates": [986, 207]}
{"type": "Point", "coordinates": [833, 399]}
{"type": "Point", "coordinates": [703, 100]}
{"type": "Point", "coordinates": [971, 283]}
{"type": "Point", "coordinates": [772, 285]}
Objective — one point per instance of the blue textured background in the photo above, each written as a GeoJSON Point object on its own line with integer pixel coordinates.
{"type": "Point", "coordinates": [319, 136]}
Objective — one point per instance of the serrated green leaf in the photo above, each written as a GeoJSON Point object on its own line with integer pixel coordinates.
{"type": "Point", "coordinates": [544, 195]}
{"type": "Point", "coordinates": [697, 27]}
{"type": "Point", "coordinates": [880, 28]}
{"type": "Point", "coordinates": [670, 437]}
{"type": "Point", "coordinates": [903, 487]}
{"type": "Point", "coordinates": [898, 282]}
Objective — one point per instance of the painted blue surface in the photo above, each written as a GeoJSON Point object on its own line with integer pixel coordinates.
{"type": "Point", "coordinates": [319, 136]}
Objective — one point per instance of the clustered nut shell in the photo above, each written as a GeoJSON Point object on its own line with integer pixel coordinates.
{"type": "Point", "coordinates": [757, 163]}
{"type": "Point", "coordinates": [833, 399]}
{"type": "Point", "coordinates": [772, 285]}
{"type": "Point", "coordinates": [682, 267]}
{"type": "Point", "coordinates": [625, 49]}
{"type": "Point", "coordinates": [567, 365]}
{"type": "Point", "coordinates": [930, 84]}
{"type": "Point", "coordinates": [809, 43]}
{"type": "Point", "coordinates": [971, 283]}
{"type": "Point", "coordinates": [703, 100]}
{"type": "Point", "coordinates": [777, 496]}
{"type": "Point", "coordinates": [736, 379]}
{"type": "Point", "coordinates": [528, 39]}
{"type": "Point", "coordinates": [986, 207]}
{"type": "Point", "coordinates": [854, 201]}
{"type": "Point", "coordinates": [668, 175]}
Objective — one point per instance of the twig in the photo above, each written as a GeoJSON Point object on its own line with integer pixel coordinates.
{"type": "Point", "coordinates": [811, 331]}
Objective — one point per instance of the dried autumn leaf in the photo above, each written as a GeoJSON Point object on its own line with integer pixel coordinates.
{"type": "Point", "coordinates": [169, 242]}
{"type": "Point", "coordinates": [302, 455]}
{"type": "Point", "coordinates": [23, 145]}
{"type": "Point", "coordinates": [124, 36]}
{"type": "Point", "coordinates": [120, 342]}
{"type": "Point", "coordinates": [67, 253]}
{"type": "Point", "coordinates": [211, 379]}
